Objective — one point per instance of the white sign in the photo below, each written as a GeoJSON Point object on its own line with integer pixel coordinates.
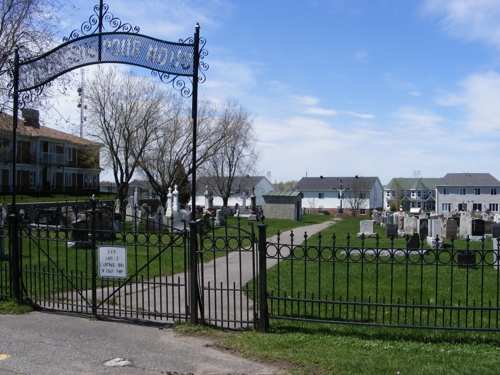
{"type": "Point", "coordinates": [113, 261]}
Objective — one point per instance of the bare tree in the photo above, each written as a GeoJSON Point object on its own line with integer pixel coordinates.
{"type": "Point", "coordinates": [238, 153]}
{"type": "Point", "coordinates": [169, 155]}
{"type": "Point", "coordinates": [124, 114]}
{"type": "Point", "coordinates": [357, 195]}
{"type": "Point", "coordinates": [29, 25]}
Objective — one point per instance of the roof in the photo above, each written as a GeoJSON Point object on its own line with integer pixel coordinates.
{"type": "Point", "coordinates": [333, 183]}
{"type": "Point", "coordinates": [239, 182]}
{"type": "Point", "coordinates": [417, 183]}
{"type": "Point", "coordinates": [41, 132]}
{"type": "Point", "coordinates": [286, 193]}
{"type": "Point", "coordinates": [468, 179]}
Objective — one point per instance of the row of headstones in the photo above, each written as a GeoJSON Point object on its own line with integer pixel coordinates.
{"type": "Point", "coordinates": [461, 225]}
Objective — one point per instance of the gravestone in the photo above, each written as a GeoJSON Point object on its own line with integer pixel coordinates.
{"type": "Point", "coordinates": [449, 229]}
{"type": "Point", "coordinates": [466, 259]}
{"type": "Point", "coordinates": [435, 227]}
{"type": "Point", "coordinates": [495, 230]}
{"type": "Point", "coordinates": [129, 211]}
{"type": "Point", "coordinates": [477, 227]}
{"type": "Point", "coordinates": [67, 216]}
{"type": "Point", "coordinates": [136, 219]}
{"type": "Point", "coordinates": [414, 242]}
{"type": "Point", "coordinates": [496, 253]}
{"type": "Point", "coordinates": [179, 218]}
{"type": "Point", "coordinates": [220, 218]}
{"type": "Point", "coordinates": [465, 224]}
{"type": "Point", "coordinates": [80, 235]}
{"type": "Point", "coordinates": [488, 225]}
{"type": "Point", "coordinates": [366, 226]}
{"type": "Point", "coordinates": [423, 227]}
{"type": "Point", "coordinates": [391, 230]}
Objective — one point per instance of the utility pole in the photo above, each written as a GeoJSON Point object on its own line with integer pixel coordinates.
{"type": "Point", "coordinates": [81, 103]}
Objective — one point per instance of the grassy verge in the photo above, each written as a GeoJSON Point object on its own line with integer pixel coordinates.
{"type": "Point", "coordinates": [320, 349]}
{"type": "Point", "coordinates": [11, 307]}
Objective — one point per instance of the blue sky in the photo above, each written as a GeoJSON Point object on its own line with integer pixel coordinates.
{"type": "Point", "coordinates": [342, 87]}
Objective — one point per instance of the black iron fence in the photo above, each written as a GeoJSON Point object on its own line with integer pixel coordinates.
{"type": "Point", "coordinates": [421, 287]}
{"type": "Point", "coordinates": [98, 262]}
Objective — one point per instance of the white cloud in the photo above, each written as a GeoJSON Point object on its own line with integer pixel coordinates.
{"type": "Point", "coordinates": [320, 111]}
{"type": "Point", "coordinates": [478, 98]}
{"type": "Point", "coordinates": [360, 115]}
{"type": "Point", "coordinates": [361, 55]}
{"type": "Point", "coordinates": [305, 100]}
{"type": "Point", "coordinates": [467, 19]}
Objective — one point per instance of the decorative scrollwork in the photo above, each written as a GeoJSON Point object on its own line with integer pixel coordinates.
{"type": "Point", "coordinates": [92, 25]}
{"type": "Point", "coordinates": [178, 83]}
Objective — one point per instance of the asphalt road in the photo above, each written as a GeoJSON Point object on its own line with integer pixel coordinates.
{"type": "Point", "coordinates": [55, 343]}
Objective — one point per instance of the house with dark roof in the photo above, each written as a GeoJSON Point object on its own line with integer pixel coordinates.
{"type": "Point", "coordinates": [47, 160]}
{"type": "Point", "coordinates": [468, 192]}
{"type": "Point", "coordinates": [341, 195]}
{"type": "Point", "coordinates": [413, 194]}
{"type": "Point", "coordinates": [242, 188]}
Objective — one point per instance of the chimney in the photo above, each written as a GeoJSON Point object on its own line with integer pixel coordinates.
{"type": "Point", "coordinates": [31, 117]}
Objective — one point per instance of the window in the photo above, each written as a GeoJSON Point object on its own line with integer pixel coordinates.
{"type": "Point", "coordinates": [69, 153]}
{"type": "Point", "coordinates": [477, 191]}
{"type": "Point", "coordinates": [321, 195]}
{"type": "Point", "coordinates": [419, 194]}
{"type": "Point", "coordinates": [494, 207]}
{"type": "Point", "coordinates": [463, 191]}
{"type": "Point", "coordinates": [462, 206]}
{"type": "Point", "coordinates": [493, 191]}
{"type": "Point", "coordinates": [446, 191]}
{"type": "Point", "coordinates": [362, 211]}
{"type": "Point", "coordinates": [32, 179]}
{"type": "Point", "coordinates": [477, 206]}
{"type": "Point", "coordinates": [69, 179]}
{"type": "Point", "coordinates": [446, 207]}
{"type": "Point", "coordinates": [388, 194]}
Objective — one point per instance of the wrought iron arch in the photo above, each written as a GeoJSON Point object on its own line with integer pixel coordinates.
{"type": "Point", "coordinates": [104, 38]}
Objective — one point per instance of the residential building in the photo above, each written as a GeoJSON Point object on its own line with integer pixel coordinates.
{"type": "Point", "coordinates": [333, 195]}
{"type": "Point", "coordinates": [47, 160]}
{"type": "Point", "coordinates": [413, 194]}
{"type": "Point", "coordinates": [468, 192]}
{"type": "Point", "coordinates": [242, 189]}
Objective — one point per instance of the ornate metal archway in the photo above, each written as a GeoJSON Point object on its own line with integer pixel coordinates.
{"type": "Point", "coordinates": [104, 38]}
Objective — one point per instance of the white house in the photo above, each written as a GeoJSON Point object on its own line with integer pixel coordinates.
{"type": "Point", "coordinates": [468, 192]}
{"type": "Point", "coordinates": [241, 191]}
{"type": "Point", "coordinates": [414, 194]}
{"type": "Point", "coordinates": [333, 195]}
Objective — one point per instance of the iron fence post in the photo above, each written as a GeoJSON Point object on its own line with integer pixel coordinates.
{"type": "Point", "coordinates": [94, 260]}
{"type": "Point", "coordinates": [263, 318]}
{"type": "Point", "coordinates": [193, 272]}
{"type": "Point", "coordinates": [15, 269]}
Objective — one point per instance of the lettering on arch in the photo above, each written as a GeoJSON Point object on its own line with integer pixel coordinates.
{"type": "Point", "coordinates": [176, 59]}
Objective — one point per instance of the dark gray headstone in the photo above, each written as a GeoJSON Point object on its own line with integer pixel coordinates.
{"type": "Point", "coordinates": [477, 227]}
{"type": "Point", "coordinates": [423, 227]}
{"type": "Point", "coordinates": [414, 243]}
{"type": "Point", "coordinates": [450, 229]}
{"type": "Point", "coordinates": [495, 230]}
{"type": "Point", "coordinates": [80, 231]}
{"type": "Point", "coordinates": [466, 259]}
{"type": "Point", "coordinates": [391, 230]}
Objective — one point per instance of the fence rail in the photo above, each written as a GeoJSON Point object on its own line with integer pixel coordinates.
{"type": "Point", "coordinates": [446, 288]}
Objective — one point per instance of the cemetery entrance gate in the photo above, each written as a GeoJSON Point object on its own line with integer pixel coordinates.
{"type": "Point", "coordinates": [57, 265]}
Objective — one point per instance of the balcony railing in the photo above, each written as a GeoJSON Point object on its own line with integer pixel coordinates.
{"type": "Point", "coordinates": [6, 154]}
{"type": "Point", "coordinates": [51, 158]}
